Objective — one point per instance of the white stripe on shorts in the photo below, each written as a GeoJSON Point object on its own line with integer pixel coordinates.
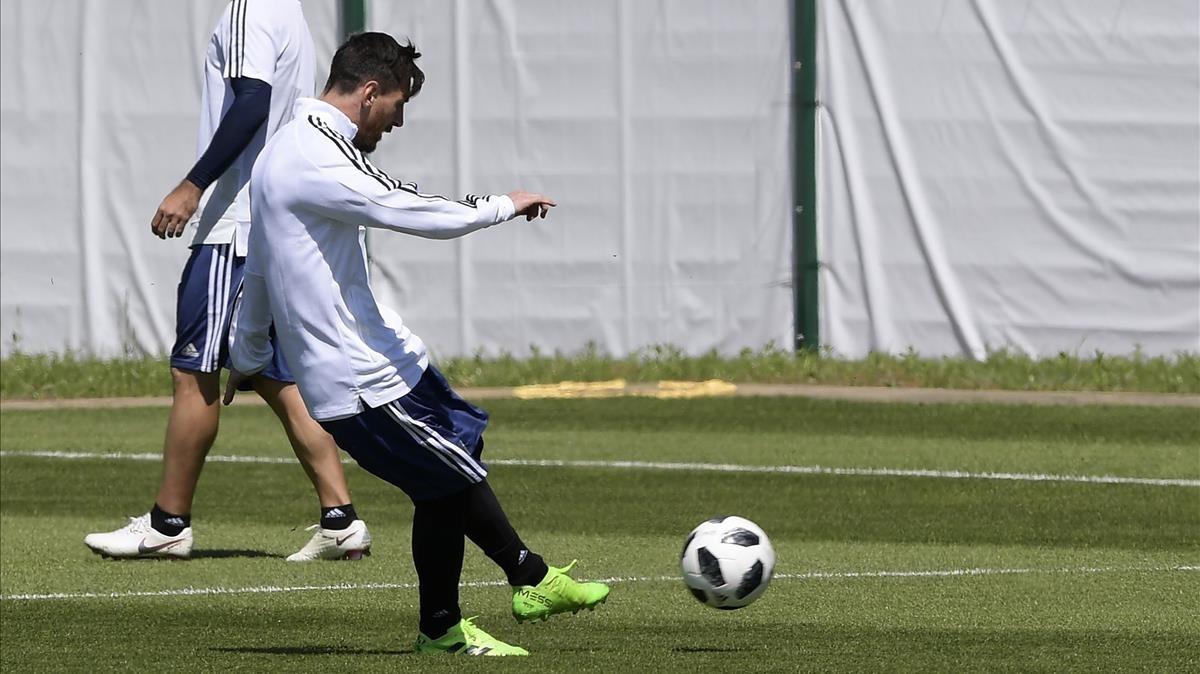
{"type": "Point", "coordinates": [219, 277]}
{"type": "Point", "coordinates": [461, 456]}
{"type": "Point", "coordinates": [223, 308]}
{"type": "Point", "coordinates": [213, 273]}
{"type": "Point", "coordinates": [420, 441]}
{"type": "Point", "coordinates": [449, 453]}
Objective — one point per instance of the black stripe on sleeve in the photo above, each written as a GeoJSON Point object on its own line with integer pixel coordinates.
{"type": "Point", "coordinates": [360, 162]}
{"type": "Point", "coordinates": [353, 154]}
{"type": "Point", "coordinates": [411, 188]}
{"type": "Point", "coordinates": [337, 139]}
{"type": "Point", "coordinates": [366, 163]}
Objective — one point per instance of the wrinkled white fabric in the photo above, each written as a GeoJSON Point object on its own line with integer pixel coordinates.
{"type": "Point", "coordinates": [1010, 175]}
{"type": "Point", "coordinates": [85, 161]}
{"type": "Point", "coordinates": [661, 127]}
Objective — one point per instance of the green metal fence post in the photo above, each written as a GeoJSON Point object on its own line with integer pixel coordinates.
{"type": "Point", "coordinates": [353, 17]}
{"type": "Point", "coordinates": [804, 173]}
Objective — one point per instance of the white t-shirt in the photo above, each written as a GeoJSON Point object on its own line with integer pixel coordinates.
{"type": "Point", "coordinates": [265, 40]}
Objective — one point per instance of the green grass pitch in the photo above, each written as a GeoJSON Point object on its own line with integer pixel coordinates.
{"type": "Point", "coordinates": [1027, 574]}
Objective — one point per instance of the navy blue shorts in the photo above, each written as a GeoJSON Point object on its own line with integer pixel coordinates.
{"type": "Point", "coordinates": [208, 291]}
{"type": "Point", "coordinates": [427, 443]}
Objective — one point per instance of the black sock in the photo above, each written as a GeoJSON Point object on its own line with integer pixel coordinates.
{"type": "Point", "coordinates": [338, 517]}
{"type": "Point", "coordinates": [168, 524]}
{"type": "Point", "coordinates": [437, 550]}
{"type": "Point", "coordinates": [487, 526]}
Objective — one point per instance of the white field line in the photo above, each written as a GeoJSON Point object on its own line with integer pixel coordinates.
{"type": "Point", "coordinates": [809, 575]}
{"type": "Point", "coordinates": [661, 465]}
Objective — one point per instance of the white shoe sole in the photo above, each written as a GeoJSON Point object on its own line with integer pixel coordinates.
{"type": "Point", "coordinates": [152, 555]}
{"type": "Point", "coordinates": [349, 555]}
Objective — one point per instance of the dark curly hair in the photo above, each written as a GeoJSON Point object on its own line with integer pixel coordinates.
{"type": "Point", "coordinates": [375, 56]}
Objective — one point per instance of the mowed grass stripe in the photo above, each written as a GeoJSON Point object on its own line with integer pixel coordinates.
{"type": "Point", "coordinates": [798, 416]}
{"type": "Point", "coordinates": [672, 465]}
{"type": "Point", "coordinates": [609, 502]}
{"type": "Point", "coordinates": [1146, 443]}
{"type": "Point", "coordinates": [810, 575]}
{"type": "Point", "coordinates": [623, 522]}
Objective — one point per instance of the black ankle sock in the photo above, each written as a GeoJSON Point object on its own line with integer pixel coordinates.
{"type": "Point", "coordinates": [168, 524]}
{"type": "Point", "coordinates": [338, 517]}
{"type": "Point", "coordinates": [439, 622]}
{"type": "Point", "coordinates": [488, 527]}
{"type": "Point", "coordinates": [437, 550]}
{"type": "Point", "coordinates": [521, 565]}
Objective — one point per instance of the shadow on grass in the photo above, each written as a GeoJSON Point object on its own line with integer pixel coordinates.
{"type": "Point", "coordinates": [310, 650]}
{"type": "Point", "coordinates": [232, 554]}
{"type": "Point", "coordinates": [197, 554]}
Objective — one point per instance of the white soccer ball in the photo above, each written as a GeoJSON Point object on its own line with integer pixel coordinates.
{"type": "Point", "coordinates": [727, 562]}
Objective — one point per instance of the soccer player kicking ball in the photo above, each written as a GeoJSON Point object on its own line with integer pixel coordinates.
{"type": "Point", "coordinates": [259, 61]}
{"type": "Point", "coordinates": [364, 376]}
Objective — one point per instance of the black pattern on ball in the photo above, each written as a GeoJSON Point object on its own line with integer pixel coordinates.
{"type": "Point", "coordinates": [751, 580]}
{"type": "Point", "coordinates": [699, 595]}
{"type": "Point", "coordinates": [686, 543]}
{"type": "Point", "coordinates": [742, 537]}
{"type": "Point", "coordinates": [710, 568]}
{"type": "Point", "coordinates": [718, 519]}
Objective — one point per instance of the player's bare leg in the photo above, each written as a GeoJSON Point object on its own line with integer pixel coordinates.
{"type": "Point", "coordinates": [315, 448]}
{"type": "Point", "coordinates": [340, 535]}
{"type": "Point", "coordinates": [166, 530]}
{"type": "Point", "coordinates": [191, 430]}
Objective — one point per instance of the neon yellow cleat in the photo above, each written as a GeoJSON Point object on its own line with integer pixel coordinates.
{"type": "Point", "coordinates": [466, 639]}
{"type": "Point", "coordinates": [557, 593]}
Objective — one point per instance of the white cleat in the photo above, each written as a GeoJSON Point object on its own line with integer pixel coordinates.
{"type": "Point", "coordinates": [139, 539]}
{"type": "Point", "coordinates": [353, 542]}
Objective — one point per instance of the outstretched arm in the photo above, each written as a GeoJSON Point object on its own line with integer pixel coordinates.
{"type": "Point", "coordinates": [403, 209]}
{"type": "Point", "coordinates": [354, 191]}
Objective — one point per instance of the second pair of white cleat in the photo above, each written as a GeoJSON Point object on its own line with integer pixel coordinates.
{"type": "Point", "coordinates": [139, 539]}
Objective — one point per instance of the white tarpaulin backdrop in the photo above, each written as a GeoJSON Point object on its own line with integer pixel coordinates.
{"type": "Point", "coordinates": [1010, 174]}
{"type": "Point", "coordinates": [99, 105]}
{"type": "Point", "coordinates": [992, 173]}
{"type": "Point", "coordinates": [660, 127]}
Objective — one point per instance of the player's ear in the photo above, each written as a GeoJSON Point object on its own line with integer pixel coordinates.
{"type": "Point", "coordinates": [370, 92]}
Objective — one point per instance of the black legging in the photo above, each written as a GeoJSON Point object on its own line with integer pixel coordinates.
{"type": "Point", "coordinates": [439, 527]}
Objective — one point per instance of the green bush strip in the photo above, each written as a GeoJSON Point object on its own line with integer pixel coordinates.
{"type": "Point", "coordinates": [25, 376]}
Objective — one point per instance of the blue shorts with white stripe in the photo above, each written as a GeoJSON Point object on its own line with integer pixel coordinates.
{"type": "Point", "coordinates": [427, 443]}
{"type": "Point", "coordinates": [208, 292]}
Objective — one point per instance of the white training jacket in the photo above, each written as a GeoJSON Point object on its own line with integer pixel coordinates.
{"type": "Point", "coordinates": [311, 193]}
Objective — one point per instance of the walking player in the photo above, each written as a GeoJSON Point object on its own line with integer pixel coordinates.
{"type": "Point", "coordinates": [259, 61]}
{"type": "Point", "coordinates": [365, 377]}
